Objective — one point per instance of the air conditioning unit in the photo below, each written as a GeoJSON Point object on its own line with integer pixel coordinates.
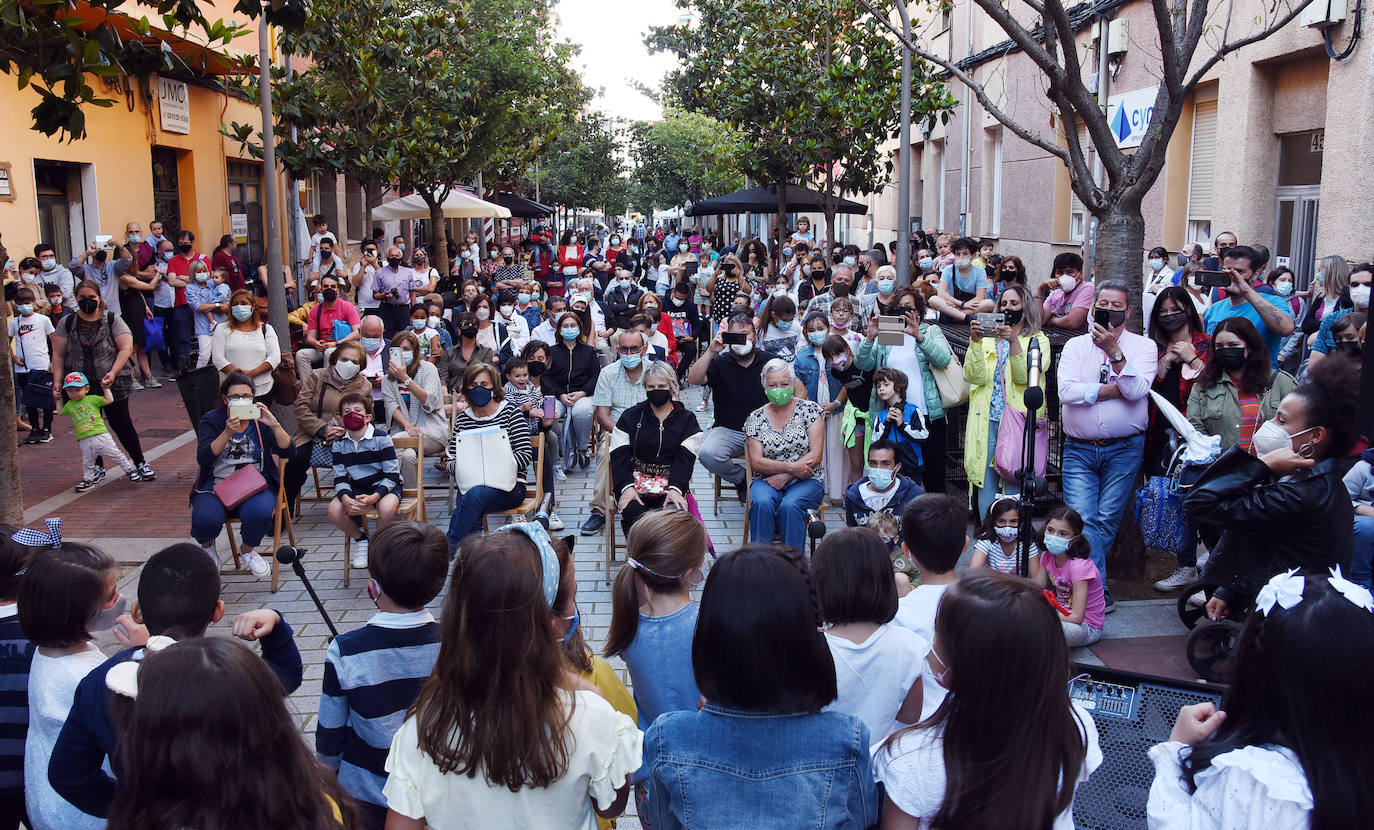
{"type": "Point", "coordinates": [1322, 13]}
{"type": "Point", "coordinates": [1118, 40]}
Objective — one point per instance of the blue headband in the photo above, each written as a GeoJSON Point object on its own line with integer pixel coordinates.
{"type": "Point", "coordinates": [540, 537]}
{"type": "Point", "coordinates": [38, 538]}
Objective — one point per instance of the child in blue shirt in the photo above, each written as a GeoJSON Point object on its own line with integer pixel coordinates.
{"type": "Point", "coordinates": [208, 295]}
{"type": "Point", "coordinates": [367, 475]}
{"type": "Point", "coordinates": [902, 423]}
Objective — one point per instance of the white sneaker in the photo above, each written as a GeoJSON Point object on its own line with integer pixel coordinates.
{"type": "Point", "coordinates": [1198, 600]}
{"type": "Point", "coordinates": [256, 564]}
{"type": "Point", "coordinates": [213, 552]}
{"type": "Point", "coordinates": [558, 474]}
{"type": "Point", "coordinates": [555, 523]}
{"type": "Point", "coordinates": [359, 553]}
{"type": "Point", "coordinates": [1180, 578]}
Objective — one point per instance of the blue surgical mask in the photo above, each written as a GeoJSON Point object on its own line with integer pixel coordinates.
{"type": "Point", "coordinates": [372, 344]}
{"type": "Point", "coordinates": [241, 312]}
{"type": "Point", "coordinates": [926, 263]}
{"type": "Point", "coordinates": [881, 479]}
{"type": "Point", "coordinates": [1056, 544]}
{"type": "Point", "coordinates": [783, 325]}
{"type": "Point", "coordinates": [406, 356]}
{"type": "Point", "coordinates": [572, 625]}
{"type": "Point", "coordinates": [569, 333]}
{"type": "Point", "coordinates": [419, 325]}
{"type": "Point", "coordinates": [851, 261]}
{"type": "Point", "coordinates": [202, 277]}
{"type": "Point", "coordinates": [631, 361]}
{"type": "Point", "coordinates": [816, 337]}
{"type": "Point", "coordinates": [886, 286]}
{"type": "Point", "coordinates": [166, 256]}
{"type": "Point", "coordinates": [523, 298]}
{"type": "Point", "coordinates": [25, 309]}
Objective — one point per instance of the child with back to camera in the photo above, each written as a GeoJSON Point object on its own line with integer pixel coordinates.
{"type": "Point", "coordinates": [933, 534]}
{"type": "Point", "coordinates": [17, 654]}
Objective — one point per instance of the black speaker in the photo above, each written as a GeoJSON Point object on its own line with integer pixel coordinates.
{"type": "Point", "coordinates": [1133, 712]}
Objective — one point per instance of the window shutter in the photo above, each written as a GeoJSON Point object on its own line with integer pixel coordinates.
{"type": "Point", "coordinates": [1202, 170]}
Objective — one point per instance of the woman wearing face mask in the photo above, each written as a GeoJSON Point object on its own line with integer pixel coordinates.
{"type": "Point", "coordinates": [1197, 294]}
{"type": "Point", "coordinates": [571, 379]}
{"type": "Point", "coordinates": [813, 370]}
{"type": "Point", "coordinates": [486, 407]}
{"type": "Point", "coordinates": [490, 333]}
{"type": "Point", "coordinates": [754, 261]}
{"type": "Point", "coordinates": [414, 400]}
{"type": "Point", "coordinates": [465, 351]}
{"type": "Point", "coordinates": [777, 321]}
{"type": "Point", "coordinates": [1329, 290]}
{"type": "Point", "coordinates": [651, 306]}
{"type": "Point", "coordinates": [225, 444]}
{"type": "Point", "coordinates": [317, 408]}
{"type": "Point", "coordinates": [815, 282]}
{"type": "Point", "coordinates": [247, 344]}
{"type": "Point", "coordinates": [722, 287]}
{"type": "Point", "coordinates": [1358, 293]}
{"type": "Point", "coordinates": [1184, 347]}
{"type": "Point", "coordinates": [1158, 276]}
{"type": "Point", "coordinates": [98, 343]}
{"type": "Point", "coordinates": [655, 449]}
{"type": "Point", "coordinates": [838, 354]}
{"type": "Point", "coordinates": [996, 370]}
{"type": "Point", "coordinates": [785, 439]}
{"type": "Point", "coordinates": [886, 281]}
{"type": "Point", "coordinates": [1285, 506]}
{"type": "Point", "coordinates": [680, 258]}
{"type": "Point", "coordinates": [1237, 391]}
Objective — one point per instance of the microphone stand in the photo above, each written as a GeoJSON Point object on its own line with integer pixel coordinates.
{"type": "Point", "coordinates": [292, 556]}
{"type": "Point", "coordinates": [1025, 500]}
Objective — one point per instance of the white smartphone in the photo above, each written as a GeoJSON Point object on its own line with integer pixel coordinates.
{"type": "Point", "coordinates": [245, 411]}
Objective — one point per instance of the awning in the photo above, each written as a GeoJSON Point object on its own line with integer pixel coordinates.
{"type": "Point", "coordinates": [764, 199]}
{"type": "Point", "coordinates": [197, 57]}
{"type": "Point", "coordinates": [520, 206]}
{"type": "Point", "coordinates": [459, 205]}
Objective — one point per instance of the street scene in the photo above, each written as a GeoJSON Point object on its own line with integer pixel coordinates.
{"type": "Point", "coordinates": [686, 414]}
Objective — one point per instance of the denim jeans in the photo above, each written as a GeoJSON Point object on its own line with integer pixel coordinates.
{"type": "Point", "coordinates": [476, 503]}
{"type": "Point", "coordinates": [722, 453]}
{"type": "Point", "coordinates": [577, 429]}
{"type": "Point", "coordinates": [1362, 555]}
{"type": "Point", "coordinates": [987, 494]}
{"type": "Point", "coordinates": [784, 511]}
{"type": "Point", "coordinates": [164, 354]}
{"type": "Point", "coordinates": [254, 515]}
{"type": "Point", "coordinates": [1098, 482]}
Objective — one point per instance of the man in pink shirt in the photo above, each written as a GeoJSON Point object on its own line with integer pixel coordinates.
{"type": "Point", "coordinates": [1104, 381]}
{"type": "Point", "coordinates": [1070, 297]}
{"type": "Point", "coordinates": [332, 321]}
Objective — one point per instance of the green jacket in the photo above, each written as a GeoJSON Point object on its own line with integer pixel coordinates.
{"type": "Point", "coordinates": [979, 365]}
{"type": "Point", "coordinates": [1216, 410]}
{"type": "Point", "coordinates": [932, 351]}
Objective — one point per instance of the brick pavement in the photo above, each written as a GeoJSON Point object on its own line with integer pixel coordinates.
{"type": "Point", "coordinates": [132, 520]}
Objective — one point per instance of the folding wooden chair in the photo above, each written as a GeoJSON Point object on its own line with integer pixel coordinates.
{"type": "Point", "coordinates": [322, 495]}
{"type": "Point", "coordinates": [412, 499]}
{"type": "Point", "coordinates": [281, 515]}
{"type": "Point", "coordinates": [719, 485]}
{"type": "Point", "coordinates": [532, 497]}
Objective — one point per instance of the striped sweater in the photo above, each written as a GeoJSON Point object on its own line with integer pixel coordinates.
{"type": "Point", "coordinates": [367, 465]}
{"type": "Point", "coordinates": [510, 419]}
{"type": "Point", "coordinates": [16, 653]}
{"type": "Point", "coordinates": [371, 676]}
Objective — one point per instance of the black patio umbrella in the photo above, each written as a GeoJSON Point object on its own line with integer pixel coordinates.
{"type": "Point", "coordinates": [764, 199]}
{"type": "Point", "coordinates": [520, 206]}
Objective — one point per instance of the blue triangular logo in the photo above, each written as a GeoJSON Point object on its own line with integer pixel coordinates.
{"type": "Point", "coordinates": [1121, 125]}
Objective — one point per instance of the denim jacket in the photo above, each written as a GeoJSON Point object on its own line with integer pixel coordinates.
{"type": "Point", "coordinates": [809, 370]}
{"type": "Point", "coordinates": [719, 768]}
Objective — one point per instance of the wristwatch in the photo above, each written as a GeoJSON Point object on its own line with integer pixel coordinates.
{"type": "Point", "coordinates": [1118, 356]}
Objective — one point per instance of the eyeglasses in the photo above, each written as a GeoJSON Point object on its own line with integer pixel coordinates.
{"type": "Point", "coordinates": [629, 349]}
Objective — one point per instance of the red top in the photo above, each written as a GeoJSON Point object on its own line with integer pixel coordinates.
{"type": "Point", "coordinates": [229, 263]}
{"type": "Point", "coordinates": [181, 266]}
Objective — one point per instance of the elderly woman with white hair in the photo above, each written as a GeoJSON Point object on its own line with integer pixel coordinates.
{"type": "Point", "coordinates": [784, 440]}
{"type": "Point", "coordinates": [654, 448]}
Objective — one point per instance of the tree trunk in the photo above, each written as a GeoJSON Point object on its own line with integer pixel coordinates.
{"type": "Point", "coordinates": [1120, 251]}
{"type": "Point", "coordinates": [436, 223]}
{"type": "Point", "coordinates": [11, 492]}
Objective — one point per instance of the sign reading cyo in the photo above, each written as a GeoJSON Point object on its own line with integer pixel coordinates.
{"type": "Point", "coordinates": [174, 106]}
{"type": "Point", "coordinates": [1128, 114]}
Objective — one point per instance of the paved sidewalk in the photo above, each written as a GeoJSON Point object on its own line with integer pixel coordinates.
{"type": "Point", "coordinates": [132, 521]}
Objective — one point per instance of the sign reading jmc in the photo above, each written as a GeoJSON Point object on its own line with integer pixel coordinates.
{"type": "Point", "coordinates": [174, 106]}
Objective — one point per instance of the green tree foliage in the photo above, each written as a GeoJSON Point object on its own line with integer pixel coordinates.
{"type": "Point", "coordinates": [812, 86]}
{"type": "Point", "coordinates": [583, 168]}
{"type": "Point", "coordinates": [44, 46]}
{"type": "Point", "coordinates": [685, 156]}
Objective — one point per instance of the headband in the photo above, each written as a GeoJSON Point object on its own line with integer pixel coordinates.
{"type": "Point", "coordinates": [540, 537]}
{"type": "Point", "coordinates": [122, 679]}
{"type": "Point", "coordinates": [635, 564]}
{"type": "Point", "coordinates": [1286, 590]}
{"type": "Point", "coordinates": [38, 538]}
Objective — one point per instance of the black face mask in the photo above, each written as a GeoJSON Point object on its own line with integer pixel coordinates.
{"type": "Point", "coordinates": [839, 289]}
{"type": "Point", "coordinates": [1012, 316]}
{"type": "Point", "coordinates": [184, 248]}
{"type": "Point", "coordinates": [1114, 318]}
{"type": "Point", "coordinates": [510, 260]}
{"type": "Point", "coordinates": [537, 368]}
{"type": "Point", "coordinates": [478, 396]}
{"type": "Point", "coordinates": [330, 295]}
{"type": "Point", "coordinates": [818, 274]}
{"type": "Point", "coordinates": [659, 397]}
{"type": "Point", "coordinates": [88, 305]}
{"type": "Point", "coordinates": [1349, 347]}
{"type": "Point", "coordinates": [393, 261]}
{"type": "Point", "coordinates": [729, 270]}
{"type": "Point", "coordinates": [1173, 321]}
{"type": "Point", "coordinates": [1231, 358]}
{"type": "Point", "coordinates": [468, 331]}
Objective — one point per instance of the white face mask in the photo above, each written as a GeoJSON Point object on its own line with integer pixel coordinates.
{"type": "Point", "coordinates": [346, 369]}
{"type": "Point", "coordinates": [1068, 283]}
{"type": "Point", "coordinates": [1271, 436]}
{"type": "Point", "coordinates": [483, 313]}
{"type": "Point", "coordinates": [1007, 534]}
{"type": "Point", "coordinates": [962, 262]}
{"type": "Point", "coordinates": [1359, 295]}
{"type": "Point", "coordinates": [743, 349]}
{"type": "Point", "coordinates": [507, 311]}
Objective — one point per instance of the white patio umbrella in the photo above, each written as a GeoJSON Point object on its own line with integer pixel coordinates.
{"type": "Point", "coordinates": [458, 205]}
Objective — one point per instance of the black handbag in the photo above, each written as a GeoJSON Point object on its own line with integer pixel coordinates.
{"type": "Point", "coordinates": [38, 390]}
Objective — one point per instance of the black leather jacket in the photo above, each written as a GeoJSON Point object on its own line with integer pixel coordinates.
{"type": "Point", "coordinates": [1270, 524]}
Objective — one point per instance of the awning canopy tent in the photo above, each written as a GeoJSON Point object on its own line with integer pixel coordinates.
{"type": "Point", "coordinates": [458, 205]}
{"type": "Point", "coordinates": [520, 206]}
{"type": "Point", "coordinates": [764, 199]}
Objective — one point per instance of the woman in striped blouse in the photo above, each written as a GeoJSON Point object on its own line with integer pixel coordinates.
{"type": "Point", "coordinates": [487, 407]}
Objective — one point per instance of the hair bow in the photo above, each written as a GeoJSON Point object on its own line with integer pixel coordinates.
{"type": "Point", "coordinates": [540, 537]}
{"type": "Point", "coordinates": [123, 678]}
{"type": "Point", "coordinates": [39, 538]}
{"type": "Point", "coordinates": [1357, 594]}
{"type": "Point", "coordinates": [1285, 589]}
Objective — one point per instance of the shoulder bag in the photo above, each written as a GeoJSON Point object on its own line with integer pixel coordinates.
{"type": "Point", "coordinates": [949, 379]}
{"type": "Point", "coordinates": [484, 458]}
{"type": "Point", "coordinates": [244, 483]}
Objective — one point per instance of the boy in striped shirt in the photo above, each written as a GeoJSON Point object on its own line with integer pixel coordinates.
{"type": "Point", "coordinates": [374, 673]}
{"type": "Point", "coordinates": [367, 475]}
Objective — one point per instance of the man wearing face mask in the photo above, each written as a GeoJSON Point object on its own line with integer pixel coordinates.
{"type": "Point", "coordinates": [104, 267]}
{"type": "Point", "coordinates": [622, 303]}
{"type": "Point", "coordinates": [56, 274]}
{"type": "Point", "coordinates": [179, 276]}
{"type": "Point", "coordinates": [1325, 342]}
{"type": "Point", "coordinates": [1223, 242]}
{"type": "Point", "coordinates": [333, 320]}
{"type": "Point", "coordinates": [619, 387]}
{"type": "Point", "coordinates": [392, 287]}
{"type": "Point", "coordinates": [737, 386]}
{"type": "Point", "coordinates": [327, 261]}
{"type": "Point", "coordinates": [1104, 380]}
{"type": "Point", "coordinates": [815, 282]}
{"type": "Point", "coordinates": [842, 285]}
{"type": "Point", "coordinates": [1066, 300]}
{"type": "Point", "coordinates": [372, 336]}
{"type": "Point", "coordinates": [1268, 313]}
{"type": "Point", "coordinates": [509, 274]}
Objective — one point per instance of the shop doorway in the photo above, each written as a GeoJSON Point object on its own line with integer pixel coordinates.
{"type": "Point", "coordinates": [245, 213]}
{"type": "Point", "coordinates": [166, 191]}
{"type": "Point", "coordinates": [61, 208]}
{"type": "Point", "coordinates": [1298, 203]}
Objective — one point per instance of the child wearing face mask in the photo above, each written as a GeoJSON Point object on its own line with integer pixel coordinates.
{"type": "Point", "coordinates": [30, 332]}
{"type": "Point", "coordinates": [208, 295]}
{"type": "Point", "coordinates": [367, 475]}
{"type": "Point", "coordinates": [430, 346]}
{"type": "Point", "coordinates": [1066, 568]}
{"type": "Point", "coordinates": [999, 539]}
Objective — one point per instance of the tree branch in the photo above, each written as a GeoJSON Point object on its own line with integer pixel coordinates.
{"type": "Point", "coordinates": [1228, 48]}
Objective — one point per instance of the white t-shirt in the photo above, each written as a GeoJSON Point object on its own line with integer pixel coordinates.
{"type": "Point", "coordinates": [874, 677]}
{"type": "Point", "coordinates": [604, 748]}
{"type": "Point", "coordinates": [32, 332]}
{"type": "Point", "coordinates": [52, 686]}
{"type": "Point", "coordinates": [913, 770]}
{"type": "Point", "coordinates": [877, 499]}
{"type": "Point", "coordinates": [904, 359]}
{"type": "Point", "coordinates": [916, 612]}
{"type": "Point", "coordinates": [364, 295]}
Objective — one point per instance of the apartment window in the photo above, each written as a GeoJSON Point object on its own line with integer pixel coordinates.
{"type": "Point", "coordinates": [1202, 169]}
{"type": "Point", "coordinates": [1078, 212]}
{"type": "Point", "coordinates": [995, 208]}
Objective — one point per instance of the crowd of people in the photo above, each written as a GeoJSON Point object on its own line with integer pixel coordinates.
{"type": "Point", "coordinates": [828, 385]}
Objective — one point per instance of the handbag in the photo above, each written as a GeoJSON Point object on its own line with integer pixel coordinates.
{"type": "Point", "coordinates": [1164, 525]}
{"type": "Point", "coordinates": [244, 483]}
{"type": "Point", "coordinates": [285, 384]}
{"type": "Point", "coordinates": [483, 458]}
{"type": "Point", "coordinates": [1011, 436]}
{"type": "Point", "coordinates": [949, 379]}
{"type": "Point", "coordinates": [152, 330]}
{"type": "Point", "coordinates": [38, 390]}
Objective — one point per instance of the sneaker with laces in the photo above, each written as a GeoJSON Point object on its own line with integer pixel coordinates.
{"type": "Point", "coordinates": [145, 472]}
{"type": "Point", "coordinates": [46, 437]}
{"type": "Point", "coordinates": [558, 474]}
{"type": "Point", "coordinates": [1179, 579]}
{"type": "Point", "coordinates": [555, 523]}
{"type": "Point", "coordinates": [359, 559]}
{"type": "Point", "coordinates": [151, 382]}
{"type": "Point", "coordinates": [136, 386]}
{"type": "Point", "coordinates": [35, 437]}
{"type": "Point", "coordinates": [133, 475]}
{"type": "Point", "coordinates": [256, 564]}
{"type": "Point", "coordinates": [88, 483]}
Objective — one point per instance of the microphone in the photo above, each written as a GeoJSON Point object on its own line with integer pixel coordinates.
{"type": "Point", "coordinates": [291, 555]}
{"type": "Point", "coordinates": [1035, 394]}
{"type": "Point", "coordinates": [815, 525]}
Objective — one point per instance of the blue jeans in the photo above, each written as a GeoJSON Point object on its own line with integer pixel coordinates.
{"type": "Point", "coordinates": [1097, 484]}
{"type": "Point", "coordinates": [785, 511]}
{"type": "Point", "coordinates": [254, 515]}
{"type": "Point", "coordinates": [1362, 556]}
{"type": "Point", "coordinates": [476, 503]}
